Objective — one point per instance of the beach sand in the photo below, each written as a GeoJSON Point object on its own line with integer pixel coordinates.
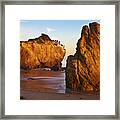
{"type": "Point", "coordinates": [48, 85]}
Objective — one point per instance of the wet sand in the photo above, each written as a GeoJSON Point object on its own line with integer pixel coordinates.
{"type": "Point", "coordinates": [47, 85]}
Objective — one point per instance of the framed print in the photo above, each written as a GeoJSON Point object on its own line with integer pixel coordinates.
{"type": "Point", "coordinates": [60, 59]}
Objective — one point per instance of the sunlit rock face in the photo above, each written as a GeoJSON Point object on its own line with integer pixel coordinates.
{"type": "Point", "coordinates": [41, 52]}
{"type": "Point", "coordinates": [83, 68]}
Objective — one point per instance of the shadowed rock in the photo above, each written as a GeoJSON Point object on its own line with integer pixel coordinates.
{"type": "Point", "coordinates": [83, 68]}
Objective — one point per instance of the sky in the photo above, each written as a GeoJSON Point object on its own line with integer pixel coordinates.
{"type": "Point", "coordinates": [66, 31]}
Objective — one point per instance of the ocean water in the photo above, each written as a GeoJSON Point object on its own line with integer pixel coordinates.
{"type": "Point", "coordinates": [42, 81]}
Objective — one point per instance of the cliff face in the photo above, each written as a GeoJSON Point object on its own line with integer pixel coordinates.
{"type": "Point", "coordinates": [41, 52]}
{"type": "Point", "coordinates": [83, 68]}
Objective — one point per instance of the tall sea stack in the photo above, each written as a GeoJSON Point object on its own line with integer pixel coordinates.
{"type": "Point", "coordinates": [83, 68]}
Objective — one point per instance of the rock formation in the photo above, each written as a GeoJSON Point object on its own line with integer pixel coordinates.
{"type": "Point", "coordinates": [41, 52]}
{"type": "Point", "coordinates": [83, 68]}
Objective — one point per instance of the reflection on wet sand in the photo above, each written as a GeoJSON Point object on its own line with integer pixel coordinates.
{"type": "Point", "coordinates": [42, 84]}
{"type": "Point", "coordinates": [43, 81]}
